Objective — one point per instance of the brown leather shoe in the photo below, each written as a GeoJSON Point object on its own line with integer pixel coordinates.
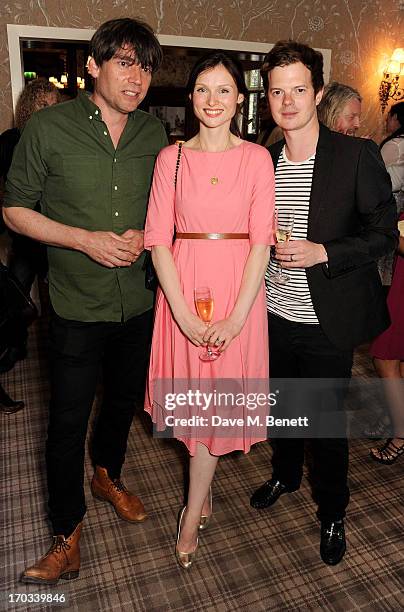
{"type": "Point", "coordinates": [127, 506]}
{"type": "Point", "coordinates": [61, 561]}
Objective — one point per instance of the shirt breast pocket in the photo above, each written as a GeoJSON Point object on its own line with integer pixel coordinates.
{"type": "Point", "coordinates": [142, 170]}
{"type": "Point", "coordinates": [81, 172]}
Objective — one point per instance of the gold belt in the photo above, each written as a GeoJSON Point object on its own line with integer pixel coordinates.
{"type": "Point", "coordinates": [202, 236]}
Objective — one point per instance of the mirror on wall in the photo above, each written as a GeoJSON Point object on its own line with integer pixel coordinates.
{"type": "Point", "coordinates": [63, 63]}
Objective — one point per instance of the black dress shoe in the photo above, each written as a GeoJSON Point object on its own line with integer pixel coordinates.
{"type": "Point", "coordinates": [268, 493]}
{"type": "Point", "coordinates": [16, 407]}
{"type": "Point", "coordinates": [333, 545]}
{"type": "Point", "coordinates": [8, 405]}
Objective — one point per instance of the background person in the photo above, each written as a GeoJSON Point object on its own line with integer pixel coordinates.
{"type": "Point", "coordinates": [340, 108]}
{"type": "Point", "coordinates": [386, 350]}
{"type": "Point", "coordinates": [37, 94]}
{"type": "Point", "coordinates": [392, 151]}
{"type": "Point", "coordinates": [224, 185]}
{"type": "Point", "coordinates": [28, 257]}
{"type": "Point", "coordinates": [388, 358]}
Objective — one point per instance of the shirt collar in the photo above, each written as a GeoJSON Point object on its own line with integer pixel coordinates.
{"type": "Point", "coordinates": [92, 110]}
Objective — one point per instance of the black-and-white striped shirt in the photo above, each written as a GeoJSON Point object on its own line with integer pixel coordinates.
{"type": "Point", "coordinates": [292, 300]}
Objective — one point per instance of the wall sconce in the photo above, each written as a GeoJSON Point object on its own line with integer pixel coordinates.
{"type": "Point", "coordinates": [390, 84]}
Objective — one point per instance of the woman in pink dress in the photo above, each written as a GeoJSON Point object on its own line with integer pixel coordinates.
{"type": "Point", "coordinates": [222, 210]}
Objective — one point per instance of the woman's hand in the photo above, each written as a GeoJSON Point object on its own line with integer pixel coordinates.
{"type": "Point", "coordinates": [192, 327]}
{"type": "Point", "coordinates": [221, 333]}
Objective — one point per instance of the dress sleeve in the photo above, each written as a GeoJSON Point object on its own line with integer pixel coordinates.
{"type": "Point", "coordinates": [261, 221]}
{"type": "Point", "coordinates": [159, 228]}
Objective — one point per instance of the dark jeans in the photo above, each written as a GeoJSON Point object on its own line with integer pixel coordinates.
{"type": "Point", "coordinates": [78, 352]}
{"type": "Point", "coordinates": [297, 350]}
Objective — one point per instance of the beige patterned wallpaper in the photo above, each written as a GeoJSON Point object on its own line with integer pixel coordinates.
{"type": "Point", "coordinates": [361, 33]}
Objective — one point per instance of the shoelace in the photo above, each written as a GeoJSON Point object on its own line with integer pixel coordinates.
{"type": "Point", "coordinates": [119, 486]}
{"type": "Point", "coordinates": [333, 527]}
{"type": "Point", "coordinates": [59, 545]}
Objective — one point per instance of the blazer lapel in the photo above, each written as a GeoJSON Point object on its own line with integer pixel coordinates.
{"type": "Point", "coordinates": [323, 165]}
{"type": "Point", "coordinates": [275, 151]}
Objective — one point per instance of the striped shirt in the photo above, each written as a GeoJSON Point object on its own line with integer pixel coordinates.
{"type": "Point", "coordinates": [292, 301]}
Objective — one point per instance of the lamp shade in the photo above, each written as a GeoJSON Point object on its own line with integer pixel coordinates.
{"type": "Point", "coordinates": [398, 55]}
{"type": "Point", "coordinates": [393, 67]}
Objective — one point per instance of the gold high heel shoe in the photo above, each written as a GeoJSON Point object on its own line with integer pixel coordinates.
{"type": "Point", "coordinates": [205, 518]}
{"type": "Point", "coordinates": [185, 560]}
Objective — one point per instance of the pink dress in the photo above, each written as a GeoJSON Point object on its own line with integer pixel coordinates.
{"type": "Point", "coordinates": [241, 202]}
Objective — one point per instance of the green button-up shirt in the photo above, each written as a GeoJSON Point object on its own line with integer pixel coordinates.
{"type": "Point", "coordinates": [66, 161]}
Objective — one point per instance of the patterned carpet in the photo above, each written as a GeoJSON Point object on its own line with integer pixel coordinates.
{"type": "Point", "coordinates": [247, 560]}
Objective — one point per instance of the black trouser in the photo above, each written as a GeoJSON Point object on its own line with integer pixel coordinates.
{"type": "Point", "coordinates": [298, 350]}
{"type": "Point", "coordinates": [28, 259]}
{"type": "Point", "coordinates": [78, 351]}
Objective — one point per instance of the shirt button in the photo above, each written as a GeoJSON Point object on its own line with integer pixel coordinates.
{"type": "Point", "coordinates": [115, 159]}
{"type": "Point", "coordinates": [90, 117]}
{"type": "Point", "coordinates": [96, 112]}
{"type": "Point", "coordinates": [105, 133]}
{"type": "Point", "coordinates": [116, 187]}
{"type": "Point", "coordinates": [116, 213]}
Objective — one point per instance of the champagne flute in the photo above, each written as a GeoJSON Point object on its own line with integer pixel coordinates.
{"type": "Point", "coordinates": [204, 308]}
{"type": "Point", "coordinates": [283, 232]}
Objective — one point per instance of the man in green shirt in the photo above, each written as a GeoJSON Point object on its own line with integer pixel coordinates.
{"type": "Point", "coordinates": [89, 163]}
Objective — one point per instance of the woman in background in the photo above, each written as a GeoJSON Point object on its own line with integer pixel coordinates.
{"type": "Point", "coordinates": [28, 257]}
{"type": "Point", "coordinates": [388, 349]}
{"type": "Point", "coordinates": [388, 358]}
{"type": "Point", "coordinates": [392, 151]}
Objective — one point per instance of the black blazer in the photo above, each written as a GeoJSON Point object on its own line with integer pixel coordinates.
{"type": "Point", "coordinates": [353, 214]}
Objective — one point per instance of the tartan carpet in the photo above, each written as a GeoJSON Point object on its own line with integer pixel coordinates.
{"type": "Point", "coordinates": [247, 560]}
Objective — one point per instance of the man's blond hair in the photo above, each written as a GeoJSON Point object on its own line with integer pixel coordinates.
{"type": "Point", "coordinates": [335, 97]}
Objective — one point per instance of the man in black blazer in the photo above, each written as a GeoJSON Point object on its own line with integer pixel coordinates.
{"type": "Point", "coordinates": [339, 193]}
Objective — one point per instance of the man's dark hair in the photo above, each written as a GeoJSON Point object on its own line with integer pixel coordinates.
{"type": "Point", "coordinates": [116, 34]}
{"type": "Point", "coordinates": [287, 52]}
